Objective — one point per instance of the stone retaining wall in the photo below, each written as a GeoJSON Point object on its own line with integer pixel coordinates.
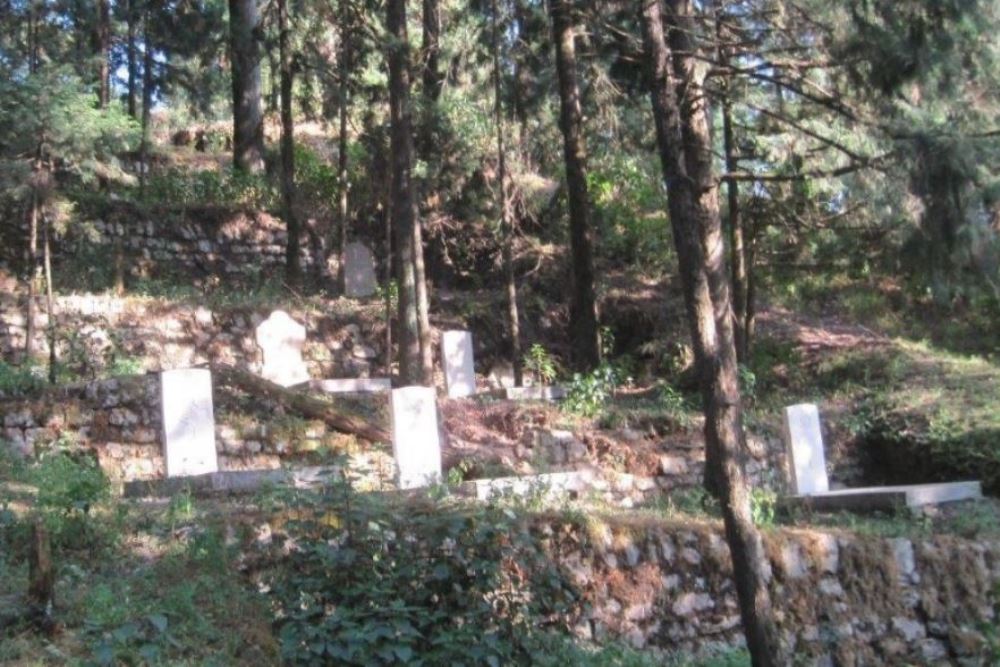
{"type": "Point", "coordinates": [841, 599]}
{"type": "Point", "coordinates": [119, 420]}
{"type": "Point", "coordinates": [163, 335]}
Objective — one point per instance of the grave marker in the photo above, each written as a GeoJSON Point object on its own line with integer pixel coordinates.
{"type": "Point", "coordinates": [188, 422]}
{"type": "Point", "coordinates": [804, 444]}
{"type": "Point", "coordinates": [416, 444]}
{"type": "Point", "coordinates": [359, 271]}
{"type": "Point", "coordinates": [459, 369]}
{"type": "Point", "coordinates": [280, 339]}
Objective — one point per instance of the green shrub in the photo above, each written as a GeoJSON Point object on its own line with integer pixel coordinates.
{"type": "Point", "coordinates": [20, 380]}
{"type": "Point", "coordinates": [379, 585]}
{"type": "Point", "coordinates": [589, 393]}
{"type": "Point", "coordinates": [540, 363]}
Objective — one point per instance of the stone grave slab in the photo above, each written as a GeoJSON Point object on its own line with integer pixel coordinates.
{"type": "Point", "coordinates": [416, 443]}
{"type": "Point", "coordinates": [548, 485]}
{"type": "Point", "coordinates": [459, 369]}
{"type": "Point", "coordinates": [280, 339]}
{"type": "Point", "coordinates": [352, 385]}
{"type": "Point", "coordinates": [188, 422]}
{"type": "Point", "coordinates": [888, 498]}
{"type": "Point", "coordinates": [359, 271]}
{"type": "Point", "coordinates": [540, 393]}
{"type": "Point", "coordinates": [804, 444]}
{"type": "Point", "coordinates": [232, 482]}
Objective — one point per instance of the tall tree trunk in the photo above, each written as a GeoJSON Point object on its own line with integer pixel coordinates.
{"type": "Point", "coordinates": [737, 251]}
{"type": "Point", "coordinates": [248, 121]}
{"type": "Point", "coordinates": [584, 333]}
{"type": "Point", "coordinates": [684, 146]}
{"type": "Point", "coordinates": [147, 100]}
{"type": "Point", "coordinates": [104, 51]}
{"type": "Point", "coordinates": [423, 306]}
{"type": "Point", "coordinates": [29, 327]}
{"type": "Point", "coordinates": [506, 226]}
{"type": "Point", "coordinates": [50, 329]}
{"type": "Point", "coordinates": [340, 240]}
{"type": "Point", "coordinates": [403, 206]}
{"type": "Point", "coordinates": [131, 57]}
{"type": "Point", "coordinates": [293, 266]}
{"type": "Point", "coordinates": [433, 80]}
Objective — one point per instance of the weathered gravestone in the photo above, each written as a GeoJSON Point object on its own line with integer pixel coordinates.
{"type": "Point", "coordinates": [459, 369]}
{"type": "Point", "coordinates": [352, 385]}
{"type": "Point", "coordinates": [188, 422]}
{"type": "Point", "coordinates": [804, 443]}
{"type": "Point", "coordinates": [416, 444]}
{"type": "Point", "coordinates": [359, 271]}
{"type": "Point", "coordinates": [280, 339]}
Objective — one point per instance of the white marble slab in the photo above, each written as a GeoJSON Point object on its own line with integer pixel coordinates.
{"type": "Point", "coordinates": [804, 445]}
{"type": "Point", "coordinates": [281, 339]}
{"type": "Point", "coordinates": [416, 443]}
{"type": "Point", "coordinates": [188, 422]}
{"type": "Point", "coordinates": [459, 368]}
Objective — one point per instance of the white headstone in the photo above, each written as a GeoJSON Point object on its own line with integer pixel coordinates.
{"type": "Point", "coordinates": [459, 370]}
{"type": "Point", "coordinates": [353, 385]}
{"type": "Point", "coordinates": [804, 444]}
{"type": "Point", "coordinates": [359, 271]}
{"type": "Point", "coordinates": [416, 444]}
{"type": "Point", "coordinates": [188, 422]}
{"type": "Point", "coordinates": [281, 338]}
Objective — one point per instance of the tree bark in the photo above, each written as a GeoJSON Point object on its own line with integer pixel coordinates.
{"type": "Point", "coordinates": [685, 154]}
{"type": "Point", "coordinates": [132, 64]}
{"type": "Point", "coordinates": [506, 226]}
{"type": "Point", "coordinates": [50, 329]}
{"type": "Point", "coordinates": [147, 99]}
{"type": "Point", "coordinates": [402, 205]}
{"type": "Point", "coordinates": [584, 332]}
{"type": "Point", "coordinates": [104, 52]}
{"type": "Point", "coordinates": [41, 578]}
{"type": "Point", "coordinates": [300, 403]}
{"type": "Point", "coordinates": [293, 265]}
{"type": "Point", "coordinates": [29, 328]}
{"type": "Point", "coordinates": [340, 240]}
{"type": "Point", "coordinates": [433, 80]}
{"type": "Point", "coordinates": [248, 121]}
{"type": "Point", "coordinates": [737, 251]}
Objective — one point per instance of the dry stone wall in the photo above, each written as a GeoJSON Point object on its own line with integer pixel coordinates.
{"type": "Point", "coordinates": [94, 329]}
{"type": "Point", "coordinates": [119, 420]}
{"type": "Point", "coordinates": [842, 599]}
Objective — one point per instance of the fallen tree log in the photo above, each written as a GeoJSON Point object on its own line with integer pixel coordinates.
{"type": "Point", "coordinates": [300, 403]}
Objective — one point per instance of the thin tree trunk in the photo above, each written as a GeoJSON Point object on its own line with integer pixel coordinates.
{"type": "Point", "coordinates": [104, 50]}
{"type": "Point", "coordinates": [50, 329]}
{"type": "Point", "coordinates": [737, 252]}
{"type": "Point", "coordinates": [584, 332]}
{"type": "Point", "coordinates": [433, 80]}
{"type": "Point", "coordinates": [29, 340]}
{"type": "Point", "coordinates": [342, 184]}
{"type": "Point", "coordinates": [423, 306]}
{"type": "Point", "coordinates": [506, 227]}
{"type": "Point", "coordinates": [685, 153]}
{"type": "Point", "coordinates": [402, 203]}
{"type": "Point", "coordinates": [248, 121]}
{"type": "Point", "coordinates": [389, 273]}
{"type": "Point", "coordinates": [147, 100]}
{"type": "Point", "coordinates": [130, 50]}
{"type": "Point", "coordinates": [293, 266]}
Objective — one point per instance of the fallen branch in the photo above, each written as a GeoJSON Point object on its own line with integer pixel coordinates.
{"type": "Point", "coordinates": [300, 402]}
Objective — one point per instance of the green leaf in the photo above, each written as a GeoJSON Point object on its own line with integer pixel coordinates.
{"type": "Point", "coordinates": [158, 621]}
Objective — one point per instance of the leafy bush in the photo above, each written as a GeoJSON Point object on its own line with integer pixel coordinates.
{"type": "Point", "coordinates": [588, 394]}
{"type": "Point", "coordinates": [540, 363]}
{"type": "Point", "coordinates": [20, 380]}
{"type": "Point", "coordinates": [379, 585]}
